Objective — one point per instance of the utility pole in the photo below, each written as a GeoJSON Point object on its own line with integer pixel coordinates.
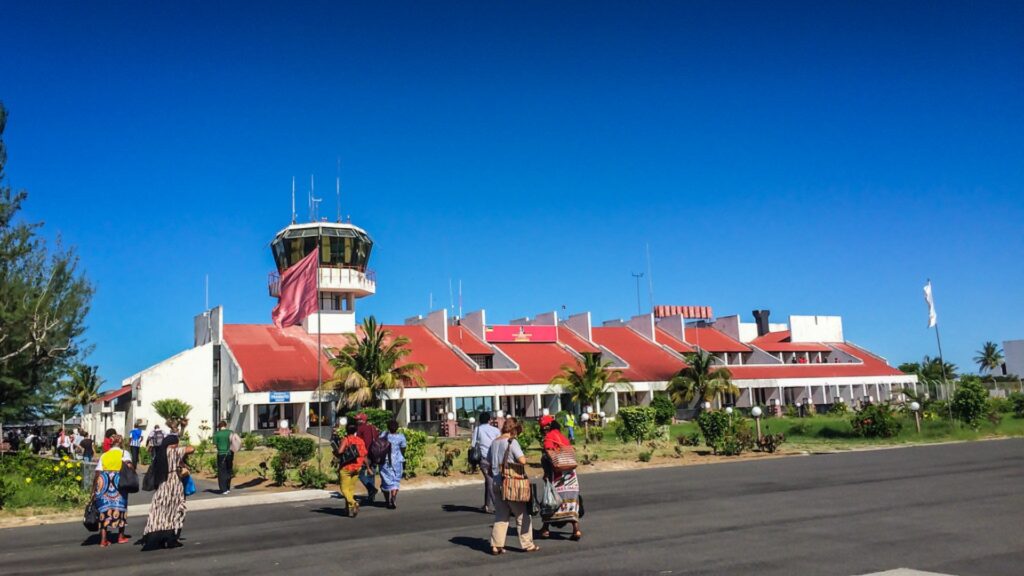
{"type": "Point", "coordinates": [638, 276]}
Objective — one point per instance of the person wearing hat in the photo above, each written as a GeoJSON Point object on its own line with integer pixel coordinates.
{"type": "Point", "coordinates": [566, 484]}
{"type": "Point", "coordinates": [367, 473]}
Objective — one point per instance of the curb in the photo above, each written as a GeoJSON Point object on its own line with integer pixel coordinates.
{"type": "Point", "coordinates": [247, 500]}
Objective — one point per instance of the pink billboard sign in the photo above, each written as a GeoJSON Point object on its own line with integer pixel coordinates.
{"type": "Point", "coordinates": [521, 334]}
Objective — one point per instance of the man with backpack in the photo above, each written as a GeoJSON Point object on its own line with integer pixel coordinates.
{"type": "Point", "coordinates": [368, 473]}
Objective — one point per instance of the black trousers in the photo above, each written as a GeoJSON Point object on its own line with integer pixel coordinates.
{"type": "Point", "coordinates": [135, 455]}
{"type": "Point", "coordinates": [225, 464]}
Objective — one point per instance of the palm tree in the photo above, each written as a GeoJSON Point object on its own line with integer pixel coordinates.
{"type": "Point", "coordinates": [989, 359]}
{"type": "Point", "coordinates": [588, 381]}
{"type": "Point", "coordinates": [702, 380]}
{"type": "Point", "coordinates": [81, 388]}
{"type": "Point", "coordinates": [372, 363]}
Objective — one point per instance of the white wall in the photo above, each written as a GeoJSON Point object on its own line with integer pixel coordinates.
{"type": "Point", "coordinates": [1013, 352]}
{"type": "Point", "coordinates": [187, 377]}
{"type": "Point", "coordinates": [816, 328]}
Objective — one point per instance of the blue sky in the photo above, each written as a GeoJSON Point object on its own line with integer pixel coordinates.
{"type": "Point", "coordinates": [805, 157]}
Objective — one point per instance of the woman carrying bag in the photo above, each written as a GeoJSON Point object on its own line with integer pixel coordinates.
{"type": "Point", "coordinates": [559, 463]}
{"type": "Point", "coordinates": [109, 494]}
{"type": "Point", "coordinates": [511, 489]}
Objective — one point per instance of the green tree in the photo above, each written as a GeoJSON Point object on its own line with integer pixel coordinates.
{"type": "Point", "coordinates": [931, 372]}
{"type": "Point", "coordinates": [81, 388]}
{"type": "Point", "coordinates": [589, 381]}
{"type": "Point", "coordinates": [970, 401]}
{"type": "Point", "coordinates": [172, 410]}
{"type": "Point", "coordinates": [43, 304]}
{"type": "Point", "coordinates": [371, 364]}
{"type": "Point", "coordinates": [701, 380]}
{"type": "Point", "coordinates": [989, 359]}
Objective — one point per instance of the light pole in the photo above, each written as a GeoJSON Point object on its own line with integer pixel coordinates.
{"type": "Point", "coordinates": [756, 413]}
{"type": "Point", "coordinates": [586, 424]}
{"type": "Point", "coordinates": [916, 409]}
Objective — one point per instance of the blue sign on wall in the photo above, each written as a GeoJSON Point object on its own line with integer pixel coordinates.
{"type": "Point", "coordinates": [280, 396]}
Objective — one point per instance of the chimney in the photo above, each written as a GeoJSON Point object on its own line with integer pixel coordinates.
{"type": "Point", "coordinates": [761, 317]}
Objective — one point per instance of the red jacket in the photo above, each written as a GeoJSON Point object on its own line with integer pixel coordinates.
{"type": "Point", "coordinates": [356, 464]}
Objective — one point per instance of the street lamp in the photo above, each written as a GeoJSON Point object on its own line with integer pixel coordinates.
{"type": "Point", "coordinates": [586, 423]}
{"type": "Point", "coordinates": [343, 421]}
{"type": "Point", "coordinates": [728, 410]}
{"type": "Point", "coordinates": [756, 413]}
{"type": "Point", "coordinates": [916, 409]}
{"type": "Point", "coordinates": [707, 405]}
{"type": "Point", "coordinates": [545, 412]}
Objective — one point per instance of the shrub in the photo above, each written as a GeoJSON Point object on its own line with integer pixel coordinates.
{"type": "Point", "coordinates": [970, 401]}
{"type": "Point", "coordinates": [664, 410]}
{"type": "Point", "coordinates": [448, 455]}
{"type": "Point", "coordinates": [770, 442]}
{"type": "Point", "coordinates": [416, 448]}
{"type": "Point", "coordinates": [251, 440]}
{"type": "Point", "coordinates": [791, 411]}
{"type": "Point", "coordinates": [172, 410]}
{"type": "Point", "coordinates": [638, 423]}
{"type": "Point", "coordinates": [1001, 405]}
{"type": "Point", "coordinates": [312, 477]}
{"type": "Point", "coordinates": [800, 428]}
{"type": "Point", "coordinates": [597, 434]}
{"type": "Point", "coordinates": [375, 416]}
{"type": "Point", "coordinates": [645, 456]}
{"type": "Point", "coordinates": [737, 439]}
{"type": "Point", "coordinates": [531, 434]}
{"type": "Point", "coordinates": [876, 421]}
{"type": "Point", "coordinates": [839, 409]}
{"type": "Point", "coordinates": [7, 489]}
{"type": "Point", "coordinates": [279, 469]}
{"type": "Point", "coordinates": [713, 426]}
{"type": "Point", "coordinates": [1017, 399]}
{"type": "Point", "coordinates": [291, 452]}
{"type": "Point", "coordinates": [678, 451]}
{"type": "Point", "coordinates": [692, 439]}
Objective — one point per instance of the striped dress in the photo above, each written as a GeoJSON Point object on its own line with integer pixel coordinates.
{"type": "Point", "coordinates": [167, 511]}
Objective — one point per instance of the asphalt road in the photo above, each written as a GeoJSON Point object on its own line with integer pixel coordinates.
{"type": "Point", "coordinates": [952, 509]}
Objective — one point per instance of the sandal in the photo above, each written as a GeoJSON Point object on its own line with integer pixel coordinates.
{"type": "Point", "coordinates": [576, 536]}
{"type": "Point", "coordinates": [533, 548]}
{"type": "Point", "coordinates": [497, 551]}
{"type": "Point", "coordinates": [545, 534]}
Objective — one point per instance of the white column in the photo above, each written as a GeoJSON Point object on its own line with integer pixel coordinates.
{"type": "Point", "coordinates": [538, 405]}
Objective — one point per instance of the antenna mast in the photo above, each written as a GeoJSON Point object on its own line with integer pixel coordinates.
{"type": "Point", "coordinates": [337, 188]}
{"type": "Point", "coordinates": [650, 278]}
{"type": "Point", "coordinates": [293, 199]}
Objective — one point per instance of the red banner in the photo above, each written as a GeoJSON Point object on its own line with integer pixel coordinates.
{"type": "Point", "coordinates": [521, 333]}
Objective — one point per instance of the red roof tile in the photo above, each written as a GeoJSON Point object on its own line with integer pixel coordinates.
{"type": "Point", "coordinates": [466, 341]}
{"type": "Point", "coordinates": [870, 365]}
{"type": "Point", "coordinates": [576, 342]}
{"type": "Point", "coordinates": [714, 341]}
{"type": "Point", "coordinates": [114, 394]}
{"type": "Point", "coordinates": [647, 361]}
{"type": "Point", "coordinates": [538, 362]}
{"type": "Point", "coordinates": [780, 342]}
{"type": "Point", "coordinates": [275, 359]}
{"type": "Point", "coordinates": [663, 337]}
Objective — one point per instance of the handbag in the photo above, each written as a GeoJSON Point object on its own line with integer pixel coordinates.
{"type": "Point", "coordinates": [149, 480]}
{"type": "Point", "coordinates": [91, 520]}
{"type": "Point", "coordinates": [189, 485]}
{"type": "Point", "coordinates": [348, 454]}
{"type": "Point", "coordinates": [474, 456]}
{"type": "Point", "coordinates": [515, 486]}
{"type": "Point", "coordinates": [128, 481]}
{"type": "Point", "coordinates": [550, 501]}
{"type": "Point", "coordinates": [563, 458]}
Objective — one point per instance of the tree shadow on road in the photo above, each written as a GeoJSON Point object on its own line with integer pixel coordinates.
{"type": "Point", "coordinates": [251, 483]}
{"type": "Point", "coordinates": [478, 544]}
{"type": "Point", "coordinates": [461, 508]}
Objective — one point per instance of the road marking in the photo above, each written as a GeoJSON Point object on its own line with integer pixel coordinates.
{"type": "Point", "coordinates": [905, 572]}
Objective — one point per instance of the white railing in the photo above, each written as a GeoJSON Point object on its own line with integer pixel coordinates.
{"type": "Point", "coordinates": [346, 279]}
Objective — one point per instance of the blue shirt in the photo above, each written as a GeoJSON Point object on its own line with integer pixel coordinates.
{"type": "Point", "coordinates": [135, 437]}
{"type": "Point", "coordinates": [483, 436]}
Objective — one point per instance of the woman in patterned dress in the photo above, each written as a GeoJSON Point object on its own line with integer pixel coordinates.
{"type": "Point", "coordinates": [167, 511]}
{"type": "Point", "coordinates": [111, 502]}
{"type": "Point", "coordinates": [566, 484]}
{"type": "Point", "coordinates": [391, 471]}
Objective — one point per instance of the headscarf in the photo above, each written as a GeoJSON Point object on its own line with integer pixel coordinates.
{"type": "Point", "coordinates": [159, 466]}
{"type": "Point", "coordinates": [546, 420]}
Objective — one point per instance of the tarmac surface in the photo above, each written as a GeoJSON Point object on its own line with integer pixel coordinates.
{"type": "Point", "coordinates": [946, 509]}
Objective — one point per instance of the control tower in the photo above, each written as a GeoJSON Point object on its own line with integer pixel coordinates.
{"type": "Point", "coordinates": [344, 275]}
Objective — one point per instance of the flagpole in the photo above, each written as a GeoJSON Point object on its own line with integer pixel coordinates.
{"type": "Point", "coordinates": [319, 372]}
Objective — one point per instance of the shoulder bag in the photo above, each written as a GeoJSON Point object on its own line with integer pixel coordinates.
{"type": "Point", "coordinates": [515, 486]}
{"type": "Point", "coordinates": [348, 454]}
{"type": "Point", "coordinates": [563, 458]}
{"type": "Point", "coordinates": [91, 520]}
{"type": "Point", "coordinates": [128, 481]}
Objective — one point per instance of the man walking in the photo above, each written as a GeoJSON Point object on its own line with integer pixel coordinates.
{"type": "Point", "coordinates": [222, 440]}
{"type": "Point", "coordinates": [367, 473]}
{"type": "Point", "coordinates": [570, 427]}
{"type": "Point", "coordinates": [155, 439]}
{"type": "Point", "coordinates": [483, 437]}
{"type": "Point", "coordinates": [135, 443]}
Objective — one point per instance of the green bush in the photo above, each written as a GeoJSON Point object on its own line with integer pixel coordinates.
{"type": "Point", "coordinates": [250, 441]}
{"type": "Point", "coordinates": [1017, 399]}
{"type": "Point", "coordinates": [638, 423]}
{"type": "Point", "coordinates": [970, 401]}
{"type": "Point", "coordinates": [7, 489]}
{"type": "Point", "coordinates": [531, 434]}
{"type": "Point", "coordinates": [737, 439]}
{"type": "Point", "coordinates": [839, 409]}
{"type": "Point", "coordinates": [415, 450]}
{"type": "Point", "coordinates": [1001, 405]}
{"type": "Point", "coordinates": [664, 410]}
{"type": "Point", "coordinates": [312, 477]}
{"type": "Point", "coordinates": [689, 440]}
{"type": "Point", "coordinates": [645, 456]}
{"type": "Point", "coordinates": [375, 416]}
{"type": "Point", "coordinates": [280, 471]}
{"type": "Point", "coordinates": [791, 411]}
{"type": "Point", "coordinates": [770, 442]}
{"type": "Point", "coordinates": [801, 428]}
{"type": "Point", "coordinates": [291, 452]}
{"type": "Point", "coordinates": [876, 421]}
{"type": "Point", "coordinates": [713, 425]}
{"type": "Point", "coordinates": [28, 480]}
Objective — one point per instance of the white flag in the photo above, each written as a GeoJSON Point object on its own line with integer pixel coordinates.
{"type": "Point", "coordinates": [931, 304]}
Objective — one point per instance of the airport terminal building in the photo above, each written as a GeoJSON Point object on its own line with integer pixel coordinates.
{"type": "Point", "coordinates": [257, 375]}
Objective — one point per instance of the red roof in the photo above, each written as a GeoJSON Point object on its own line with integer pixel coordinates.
{"type": "Point", "coordinates": [647, 361]}
{"type": "Point", "coordinates": [276, 359]}
{"type": "Point", "coordinates": [113, 394]}
{"type": "Point", "coordinates": [781, 342]}
{"type": "Point", "coordinates": [576, 342]}
{"type": "Point", "coordinates": [713, 340]}
{"type": "Point", "coordinates": [467, 342]}
{"type": "Point", "coordinates": [870, 365]}
{"type": "Point", "coordinates": [663, 337]}
{"type": "Point", "coordinates": [538, 363]}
